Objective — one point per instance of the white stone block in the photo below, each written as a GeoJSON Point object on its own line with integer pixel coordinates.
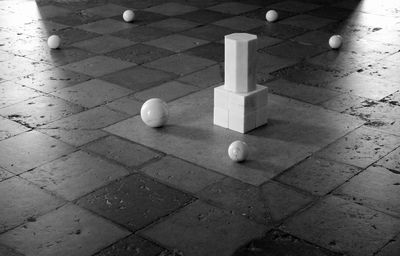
{"type": "Point", "coordinates": [221, 97]}
{"type": "Point", "coordinates": [221, 117]}
{"type": "Point", "coordinates": [262, 116]}
{"type": "Point", "coordinates": [242, 123]}
{"type": "Point", "coordinates": [262, 96]}
{"type": "Point", "coordinates": [240, 62]}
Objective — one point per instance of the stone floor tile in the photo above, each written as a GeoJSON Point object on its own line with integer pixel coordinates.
{"type": "Point", "coordinates": [292, 129]}
{"type": "Point", "coordinates": [4, 250]}
{"type": "Point", "coordinates": [339, 60]}
{"type": "Point", "coordinates": [209, 32]}
{"type": "Point", "coordinates": [9, 128]}
{"type": "Point", "coordinates": [22, 202]}
{"type": "Point", "coordinates": [29, 150]}
{"type": "Point", "coordinates": [364, 86]}
{"type": "Point", "coordinates": [315, 37]}
{"type": "Point", "coordinates": [233, 8]}
{"type": "Point", "coordinates": [278, 30]}
{"type": "Point", "coordinates": [374, 51]}
{"type": "Point", "coordinates": [168, 91]}
{"type": "Point", "coordinates": [276, 243]}
{"type": "Point", "coordinates": [180, 64]}
{"type": "Point", "coordinates": [310, 94]}
{"type": "Point", "coordinates": [391, 249]}
{"type": "Point", "coordinates": [293, 50]}
{"type": "Point", "coordinates": [177, 42]}
{"type": "Point", "coordinates": [50, 11]}
{"type": "Point", "coordinates": [260, 13]}
{"type": "Point", "coordinates": [135, 201]}
{"type": "Point", "coordinates": [139, 78]}
{"type": "Point", "coordinates": [141, 33]}
{"type": "Point", "coordinates": [266, 204]}
{"type": "Point", "coordinates": [106, 26]}
{"type": "Point", "coordinates": [42, 28]}
{"type": "Point", "coordinates": [337, 225]}
{"type": "Point", "coordinates": [294, 6]}
{"type": "Point", "coordinates": [266, 41]}
{"type": "Point", "coordinates": [76, 18]}
{"type": "Point", "coordinates": [143, 17]}
{"type": "Point", "coordinates": [174, 24]}
{"type": "Point", "coordinates": [72, 35]}
{"type": "Point", "coordinates": [132, 245]}
{"type": "Point", "coordinates": [203, 16]}
{"type": "Point", "coordinates": [361, 147]}
{"type": "Point", "coordinates": [20, 66]}
{"type": "Point", "coordinates": [139, 53]}
{"type": "Point", "coordinates": [39, 111]}
{"type": "Point", "coordinates": [61, 56]}
{"type": "Point", "coordinates": [128, 105]}
{"type": "Point", "coordinates": [98, 66]}
{"type": "Point", "coordinates": [318, 176]}
{"type": "Point", "coordinates": [80, 233]}
{"type": "Point", "coordinates": [123, 151]}
{"type": "Point", "coordinates": [75, 138]}
{"type": "Point", "coordinates": [75, 175]}
{"type": "Point", "coordinates": [207, 77]}
{"type": "Point", "coordinates": [200, 229]}
{"type": "Point", "coordinates": [171, 9]}
{"type": "Point", "coordinates": [93, 119]}
{"type": "Point", "coordinates": [103, 44]}
{"type": "Point", "coordinates": [307, 21]}
{"type": "Point", "coordinates": [212, 51]}
{"type": "Point", "coordinates": [5, 175]}
{"type": "Point", "coordinates": [383, 69]}
{"type": "Point", "coordinates": [267, 63]}
{"type": "Point", "coordinates": [92, 93]}
{"type": "Point", "coordinates": [106, 10]}
{"type": "Point", "coordinates": [239, 23]}
{"type": "Point", "coordinates": [331, 12]}
{"type": "Point", "coordinates": [391, 160]}
{"type": "Point", "coordinates": [343, 102]}
{"type": "Point", "coordinates": [376, 188]}
{"type": "Point", "coordinates": [52, 79]}
{"type": "Point", "coordinates": [181, 174]}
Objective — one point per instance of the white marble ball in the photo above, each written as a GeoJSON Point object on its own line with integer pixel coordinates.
{"type": "Point", "coordinates": [128, 16]}
{"type": "Point", "coordinates": [53, 41]}
{"type": "Point", "coordinates": [335, 41]}
{"type": "Point", "coordinates": [238, 151]}
{"type": "Point", "coordinates": [154, 112]}
{"type": "Point", "coordinates": [271, 16]}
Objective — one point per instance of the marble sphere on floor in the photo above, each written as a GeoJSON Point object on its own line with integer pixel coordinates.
{"type": "Point", "coordinates": [238, 151]}
{"type": "Point", "coordinates": [154, 112]}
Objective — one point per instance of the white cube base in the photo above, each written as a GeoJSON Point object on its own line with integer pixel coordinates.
{"type": "Point", "coordinates": [241, 112]}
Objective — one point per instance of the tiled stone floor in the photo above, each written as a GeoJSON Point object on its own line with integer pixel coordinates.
{"type": "Point", "coordinates": [80, 174]}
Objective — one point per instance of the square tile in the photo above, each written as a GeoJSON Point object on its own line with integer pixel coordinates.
{"type": "Point", "coordinates": [233, 8]}
{"type": "Point", "coordinates": [103, 44]}
{"type": "Point", "coordinates": [141, 33]}
{"type": "Point", "coordinates": [315, 37]}
{"type": "Point", "coordinates": [318, 176]}
{"type": "Point", "coordinates": [52, 79]}
{"type": "Point", "coordinates": [174, 24]}
{"type": "Point", "coordinates": [376, 188]}
{"type": "Point", "coordinates": [135, 201]}
{"type": "Point", "coordinates": [132, 244]}
{"type": "Point", "coordinates": [337, 225]}
{"type": "Point", "coordinates": [80, 233]}
{"type": "Point", "coordinates": [21, 201]}
{"type": "Point", "coordinates": [239, 23]}
{"type": "Point", "coordinates": [72, 35]}
{"type": "Point", "coordinates": [209, 32]}
{"type": "Point", "coordinates": [212, 231]}
{"type": "Point", "coordinates": [142, 17]}
{"type": "Point", "coordinates": [139, 53]}
{"type": "Point", "coordinates": [92, 119]}
{"type": "Point", "coordinates": [391, 161]}
{"type": "Point", "coordinates": [128, 105]}
{"type": "Point", "coordinates": [361, 147]}
{"type": "Point", "coordinates": [139, 78]}
{"type": "Point", "coordinates": [106, 26]}
{"type": "Point", "coordinates": [307, 21]}
{"type": "Point", "coordinates": [203, 16]}
{"type": "Point", "coordinates": [98, 66]}
{"type": "Point", "coordinates": [343, 102]}
{"type": "Point", "coordinates": [168, 91]}
{"type": "Point", "coordinates": [75, 138]}
{"type": "Point", "coordinates": [12, 93]}
{"type": "Point", "coordinates": [207, 77]}
{"type": "Point", "coordinates": [20, 66]}
{"type": "Point", "coordinates": [39, 111]}
{"type": "Point", "coordinates": [123, 151]}
{"type": "Point", "coordinates": [339, 60]}
{"type": "Point", "coordinates": [212, 51]}
{"type": "Point", "coordinates": [92, 93]}
{"type": "Point", "coordinates": [331, 12]}
{"type": "Point", "coordinates": [75, 175]}
{"type": "Point", "coordinates": [278, 30]}
{"type": "Point", "coordinates": [29, 150]}
{"type": "Point", "coordinates": [106, 10]}
{"type": "Point", "coordinates": [176, 42]}
{"type": "Point", "coordinates": [171, 9]}
{"type": "Point", "coordinates": [181, 174]}
{"type": "Point", "coordinates": [61, 56]}
{"type": "Point", "coordinates": [266, 204]}
{"type": "Point", "coordinates": [294, 6]}
{"type": "Point", "coordinates": [76, 18]}
{"type": "Point", "coordinates": [50, 11]}
{"type": "Point", "coordinates": [293, 50]}
{"type": "Point", "coordinates": [10, 128]}
{"type": "Point", "coordinates": [180, 64]}
{"type": "Point", "coordinates": [310, 94]}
